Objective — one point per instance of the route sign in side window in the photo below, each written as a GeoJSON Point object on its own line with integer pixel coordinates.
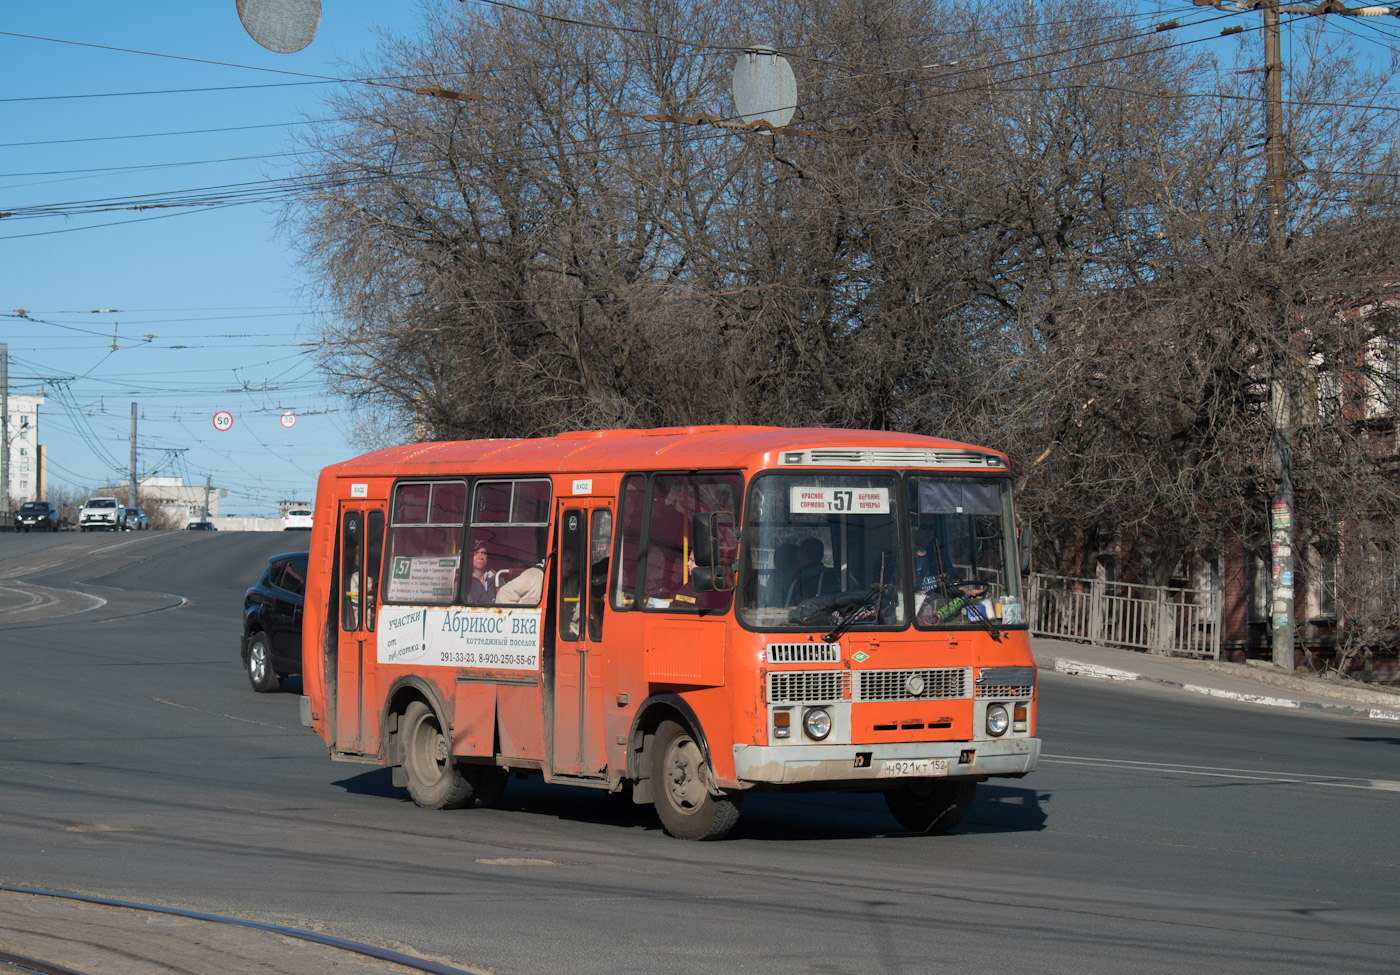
{"type": "Point", "coordinates": [425, 542]}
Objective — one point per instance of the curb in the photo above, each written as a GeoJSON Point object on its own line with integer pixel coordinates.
{"type": "Point", "coordinates": [1094, 670]}
{"type": "Point", "coordinates": [1078, 668]}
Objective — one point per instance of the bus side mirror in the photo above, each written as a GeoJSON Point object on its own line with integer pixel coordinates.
{"type": "Point", "coordinates": [701, 540]}
{"type": "Point", "coordinates": [713, 547]}
{"type": "Point", "coordinates": [1023, 546]}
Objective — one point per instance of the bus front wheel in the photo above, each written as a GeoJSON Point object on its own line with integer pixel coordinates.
{"type": "Point", "coordinates": [435, 781]}
{"type": "Point", "coordinates": [684, 802]}
{"type": "Point", "coordinates": [930, 806]}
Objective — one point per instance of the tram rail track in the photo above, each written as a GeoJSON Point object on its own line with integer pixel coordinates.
{"type": "Point", "coordinates": [26, 945]}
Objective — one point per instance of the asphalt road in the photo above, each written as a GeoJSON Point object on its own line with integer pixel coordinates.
{"type": "Point", "coordinates": [1163, 832]}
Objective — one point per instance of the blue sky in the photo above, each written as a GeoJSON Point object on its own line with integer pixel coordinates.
{"type": "Point", "coordinates": [211, 310]}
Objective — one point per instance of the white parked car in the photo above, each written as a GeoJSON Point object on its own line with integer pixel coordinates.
{"type": "Point", "coordinates": [105, 514]}
{"type": "Point", "coordinates": [297, 519]}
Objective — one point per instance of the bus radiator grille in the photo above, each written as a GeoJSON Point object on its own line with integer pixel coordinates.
{"type": "Point", "coordinates": [1004, 691]}
{"type": "Point", "coordinates": [1006, 682]}
{"type": "Point", "coordinates": [804, 653]}
{"type": "Point", "coordinates": [936, 684]}
{"type": "Point", "coordinates": [808, 687]}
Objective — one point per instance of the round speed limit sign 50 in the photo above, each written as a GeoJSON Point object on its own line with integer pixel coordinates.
{"type": "Point", "coordinates": [223, 420]}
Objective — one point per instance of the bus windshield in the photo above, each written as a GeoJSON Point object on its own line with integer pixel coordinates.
{"type": "Point", "coordinates": [965, 567]}
{"type": "Point", "coordinates": [824, 549]}
{"type": "Point", "coordinates": [827, 550]}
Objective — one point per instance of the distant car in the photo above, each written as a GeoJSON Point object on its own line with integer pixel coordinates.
{"type": "Point", "coordinates": [136, 520]}
{"type": "Point", "coordinates": [106, 514]}
{"type": "Point", "coordinates": [41, 516]}
{"type": "Point", "coordinates": [200, 526]}
{"type": "Point", "coordinates": [272, 622]}
{"type": "Point", "coordinates": [297, 519]}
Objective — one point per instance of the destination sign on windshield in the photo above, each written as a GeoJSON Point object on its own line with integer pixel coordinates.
{"type": "Point", "coordinates": [853, 501]}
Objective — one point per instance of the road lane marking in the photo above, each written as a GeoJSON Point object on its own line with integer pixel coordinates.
{"type": "Point", "coordinates": [1210, 771]}
{"type": "Point", "coordinates": [218, 714]}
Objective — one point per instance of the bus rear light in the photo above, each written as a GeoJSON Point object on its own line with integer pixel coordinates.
{"type": "Point", "coordinates": [1020, 723]}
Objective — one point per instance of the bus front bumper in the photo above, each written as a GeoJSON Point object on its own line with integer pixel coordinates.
{"type": "Point", "coordinates": [879, 765]}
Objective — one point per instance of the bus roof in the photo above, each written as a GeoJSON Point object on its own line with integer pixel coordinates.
{"type": "Point", "coordinates": [674, 448]}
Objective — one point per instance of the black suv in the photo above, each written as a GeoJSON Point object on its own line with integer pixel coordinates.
{"type": "Point", "coordinates": [272, 622]}
{"type": "Point", "coordinates": [37, 516]}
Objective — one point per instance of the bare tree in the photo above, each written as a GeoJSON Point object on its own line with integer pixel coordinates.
{"type": "Point", "coordinates": [1043, 234]}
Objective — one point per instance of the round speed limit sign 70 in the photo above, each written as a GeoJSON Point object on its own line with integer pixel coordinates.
{"type": "Point", "coordinates": [223, 420]}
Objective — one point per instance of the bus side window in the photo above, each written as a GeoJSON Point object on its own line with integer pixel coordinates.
{"type": "Point", "coordinates": [629, 550]}
{"type": "Point", "coordinates": [374, 558]}
{"type": "Point", "coordinates": [352, 557]}
{"type": "Point", "coordinates": [510, 527]}
{"type": "Point", "coordinates": [573, 547]}
{"type": "Point", "coordinates": [425, 542]}
{"type": "Point", "coordinates": [600, 552]}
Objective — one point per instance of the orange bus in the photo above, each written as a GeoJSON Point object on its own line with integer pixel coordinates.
{"type": "Point", "coordinates": [688, 614]}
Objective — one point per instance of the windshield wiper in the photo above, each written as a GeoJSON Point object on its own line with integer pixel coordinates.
{"type": "Point", "coordinates": [956, 592]}
{"type": "Point", "coordinates": [869, 607]}
{"type": "Point", "coordinates": [807, 612]}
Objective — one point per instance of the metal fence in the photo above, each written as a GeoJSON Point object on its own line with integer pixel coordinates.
{"type": "Point", "coordinates": [1161, 619]}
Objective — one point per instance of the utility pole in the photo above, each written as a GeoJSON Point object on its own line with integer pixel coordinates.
{"type": "Point", "coordinates": [132, 500]}
{"type": "Point", "coordinates": [1282, 382]}
{"type": "Point", "coordinates": [1281, 534]}
{"type": "Point", "coordinates": [5, 432]}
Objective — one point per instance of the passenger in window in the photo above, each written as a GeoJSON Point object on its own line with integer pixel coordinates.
{"type": "Point", "coordinates": [814, 577]}
{"type": "Point", "coordinates": [926, 567]}
{"type": "Point", "coordinates": [669, 543]}
{"type": "Point", "coordinates": [351, 603]}
{"type": "Point", "coordinates": [784, 574]}
{"type": "Point", "coordinates": [482, 588]}
{"type": "Point", "coordinates": [523, 590]}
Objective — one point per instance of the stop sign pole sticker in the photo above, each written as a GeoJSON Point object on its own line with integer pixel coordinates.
{"type": "Point", "coordinates": [223, 420]}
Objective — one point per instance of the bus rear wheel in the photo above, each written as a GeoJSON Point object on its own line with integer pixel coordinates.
{"type": "Point", "coordinates": [435, 781]}
{"type": "Point", "coordinates": [930, 806]}
{"type": "Point", "coordinates": [488, 783]}
{"type": "Point", "coordinates": [681, 778]}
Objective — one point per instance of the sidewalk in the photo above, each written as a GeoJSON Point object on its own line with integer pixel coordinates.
{"type": "Point", "coordinates": [1256, 683]}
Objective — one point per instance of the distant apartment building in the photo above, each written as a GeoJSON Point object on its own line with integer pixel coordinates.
{"type": "Point", "coordinates": [26, 462]}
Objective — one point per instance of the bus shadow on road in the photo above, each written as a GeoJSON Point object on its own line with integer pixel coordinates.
{"type": "Point", "coordinates": [766, 816]}
{"type": "Point", "coordinates": [837, 815]}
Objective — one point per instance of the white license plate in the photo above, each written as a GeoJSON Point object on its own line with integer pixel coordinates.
{"type": "Point", "coordinates": [899, 767]}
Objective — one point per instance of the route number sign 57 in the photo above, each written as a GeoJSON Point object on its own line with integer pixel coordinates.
{"type": "Point", "coordinates": [857, 501]}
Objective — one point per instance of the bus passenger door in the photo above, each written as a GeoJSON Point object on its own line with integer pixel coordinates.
{"type": "Point", "coordinates": [361, 551]}
{"type": "Point", "coordinates": [585, 545]}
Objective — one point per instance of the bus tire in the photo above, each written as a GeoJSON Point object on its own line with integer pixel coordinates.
{"type": "Point", "coordinates": [260, 672]}
{"type": "Point", "coordinates": [930, 806]}
{"type": "Point", "coordinates": [435, 781]}
{"type": "Point", "coordinates": [488, 783]}
{"type": "Point", "coordinates": [684, 802]}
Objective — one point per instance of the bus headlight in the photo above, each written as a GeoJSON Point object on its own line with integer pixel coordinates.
{"type": "Point", "coordinates": [997, 720]}
{"type": "Point", "coordinates": [817, 723]}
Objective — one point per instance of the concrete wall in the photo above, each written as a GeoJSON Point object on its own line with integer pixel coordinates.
{"type": "Point", "coordinates": [231, 524]}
